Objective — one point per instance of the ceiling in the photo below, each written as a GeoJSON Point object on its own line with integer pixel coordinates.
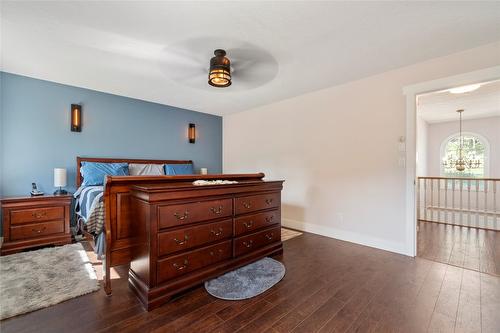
{"type": "Point", "coordinates": [160, 51]}
{"type": "Point", "coordinates": [442, 106]}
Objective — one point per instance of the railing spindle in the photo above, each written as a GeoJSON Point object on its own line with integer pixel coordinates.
{"type": "Point", "coordinates": [432, 200]}
{"type": "Point", "coordinates": [495, 205]}
{"type": "Point", "coordinates": [477, 203]}
{"type": "Point", "coordinates": [468, 201]}
{"type": "Point", "coordinates": [453, 215]}
{"type": "Point", "coordinates": [461, 201]}
{"type": "Point", "coordinates": [486, 202]}
{"type": "Point", "coordinates": [439, 200]}
{"type": "Point", "coordinates": [425, 199]}
{"type": "Point", "coordinates": [418, 199]}
{"type": "Point", "coordinates": [446, 200]}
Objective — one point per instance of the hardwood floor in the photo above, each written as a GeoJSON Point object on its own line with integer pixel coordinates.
{"type": "Point", "coordinates": [471, 248]}
{"type": "Point", "coordinates": [330, 286]}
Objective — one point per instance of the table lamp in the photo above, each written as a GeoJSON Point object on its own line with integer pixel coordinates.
{"type": "Point", "coordinates": [60, 180]}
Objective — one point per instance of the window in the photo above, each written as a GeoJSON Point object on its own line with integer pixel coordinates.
{"type": "Point", "coordinates": [475, 147]}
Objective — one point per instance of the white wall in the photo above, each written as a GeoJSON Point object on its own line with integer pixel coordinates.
{"type": "Point", "coordinates": [337, 149]}
{"type": "Point", "coordinates": [422, 153]}
{"type": "Point", "coordinates": [489, 128]}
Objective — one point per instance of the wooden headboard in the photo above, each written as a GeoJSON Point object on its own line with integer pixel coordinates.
{"type": "Point", "coordinates": [79, 161]}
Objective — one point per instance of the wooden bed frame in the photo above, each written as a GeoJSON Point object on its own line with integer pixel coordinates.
{"type": "Point", "coordinates": [120, 239]}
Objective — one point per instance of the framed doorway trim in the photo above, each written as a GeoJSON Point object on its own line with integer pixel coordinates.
{"type": "Point", "coordinates": [411, 92]}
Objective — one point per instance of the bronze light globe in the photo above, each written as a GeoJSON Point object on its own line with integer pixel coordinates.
{"type": "Point", "coordinates": [220, 70]}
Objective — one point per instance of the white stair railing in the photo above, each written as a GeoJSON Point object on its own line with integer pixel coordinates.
{"type": "Point", "coordinates": [469, 202]}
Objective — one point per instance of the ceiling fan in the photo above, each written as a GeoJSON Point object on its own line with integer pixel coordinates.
{"type": "Point", "coordinates": [241, 65]}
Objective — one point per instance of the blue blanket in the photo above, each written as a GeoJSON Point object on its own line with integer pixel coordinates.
{"type": "Point", "coordinates": [89, 209]}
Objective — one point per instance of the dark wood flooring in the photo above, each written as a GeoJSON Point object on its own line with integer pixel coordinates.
{"type": "Point", "coordinates": [330, 286]}
{"type": "Point", "coordinates": [466, 247]}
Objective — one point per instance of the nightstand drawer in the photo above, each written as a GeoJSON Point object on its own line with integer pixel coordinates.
{"type": "Point", "coordinates": [36, 230]}
{"type": "Point", "coordinates": [18, 216]}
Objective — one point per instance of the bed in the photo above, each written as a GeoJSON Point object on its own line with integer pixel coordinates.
{"type": "Point", "coordinates": [117, 239]}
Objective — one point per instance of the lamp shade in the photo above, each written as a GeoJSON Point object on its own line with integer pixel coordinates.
{"type": "Point", "coordinates": [59, 177]}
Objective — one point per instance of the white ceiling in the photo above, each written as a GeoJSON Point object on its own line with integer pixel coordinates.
{"type": "Point", "coordinates": [159, 51]}
{"type": "Point", "coordinates": [442, 106]}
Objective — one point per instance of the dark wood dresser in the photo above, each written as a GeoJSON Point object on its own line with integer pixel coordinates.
{"type": "Point", "coordinates": [188, 234]}
{"type": "Point", "coordinates": [35, 221]}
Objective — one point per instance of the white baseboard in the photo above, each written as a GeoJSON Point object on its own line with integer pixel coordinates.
{"type": "Point", "coordinates": [400, 248]}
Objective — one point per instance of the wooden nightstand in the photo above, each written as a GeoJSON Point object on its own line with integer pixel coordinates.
{"type": "Point", "coordinates": [35, 221]}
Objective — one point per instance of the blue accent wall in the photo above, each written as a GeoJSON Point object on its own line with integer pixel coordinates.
{"type": "Point", "coordinates": [35, 133]}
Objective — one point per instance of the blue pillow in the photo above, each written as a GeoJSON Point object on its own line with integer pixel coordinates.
{"type": "Point", "coordinates": [93, 173]}
{"type": "Point", "coordinates": [179, 169]}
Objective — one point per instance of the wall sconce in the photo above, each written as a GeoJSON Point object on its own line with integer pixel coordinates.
{"type": "Point", "coordinates": [192, 133]}
{"type": "Point", "coordinates": [76, 118]}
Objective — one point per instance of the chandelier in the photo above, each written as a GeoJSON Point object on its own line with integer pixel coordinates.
{"type": "Point", "coordinates": [461, 161]}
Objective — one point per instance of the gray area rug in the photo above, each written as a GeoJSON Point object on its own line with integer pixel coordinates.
{"type": "Point", "coordinates": [248, 281]}
{"type": "Point", "coordinates": [33, 280]}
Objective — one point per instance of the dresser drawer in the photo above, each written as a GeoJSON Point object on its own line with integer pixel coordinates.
{"type": "Point", "coordinates": [256, 202]}
{"type": "Point", "coordinates": [173, 241]}
{"type": "Point", "coordinates": [249, 223]}
{"type": "Point", "coordinates": [18, 216]}
{"type": "Point", "coordinates": [36, 230]}
{"type": "Point", "coordinates": [175, 215]}
{"type": "Point", "coordinates": [184, 263]}
{"type": "Point", "coordinates": [252, 242]}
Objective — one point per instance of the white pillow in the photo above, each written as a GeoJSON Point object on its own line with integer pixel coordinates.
{"type": "Point", "coordinates": [135, 169]}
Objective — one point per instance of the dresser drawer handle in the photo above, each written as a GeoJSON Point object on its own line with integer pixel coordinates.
{"type": "Point", "coordinates": [269, 201]}
{"type": "Point", "coordinates": [38, 231]}
{"type": "Point", "coordinates": [181, 267]}
{"type": "Point", "coordinates": [182, 217]}
{"type": "Point", "coordinates": [217, 233]}
{"type": "Point", "coordinates": [269, 218]}
{"type": "Point", "coordinates": [248, 244]}
{"type": "Point", "coordinates": [38, 215]}
{"type": "Point", "coordinates": [248, 225]}
{"type": "Point", "coordinates": [269, 237]}
{"type": "Point", "coordinates": [247, 205]}
{"type": "Point", "coordinates": [219, 251]}
{"type": "Point", "coordinates": [216, 211]}
{"type": "Point", "coordinates": [181, 242]}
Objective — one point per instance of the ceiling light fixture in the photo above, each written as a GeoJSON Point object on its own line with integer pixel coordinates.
{"type": "Point", "coordinates": [220, 70]}
{"type": "Point", "coordinates": [465, 89]}
{"type": "Point", "coordinates": [461, 161]}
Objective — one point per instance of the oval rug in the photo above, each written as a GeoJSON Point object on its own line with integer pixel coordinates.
{"type": "Point", "coordinates": [247, 281]}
